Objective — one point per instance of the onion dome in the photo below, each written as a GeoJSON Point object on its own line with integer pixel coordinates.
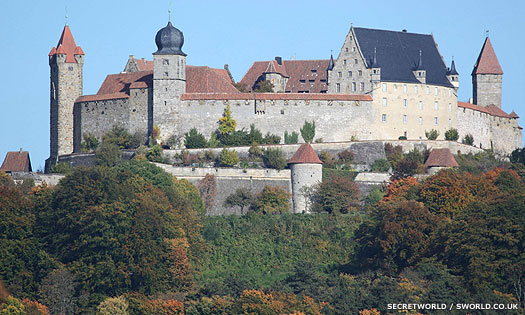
{"type": "Point", "coordinates": [169, 41]}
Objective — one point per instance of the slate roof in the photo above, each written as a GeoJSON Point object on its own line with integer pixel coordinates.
{"type": "Point", "coordinates": [487, 62]}
{"type": "Point", "coordinates": [441, 158]}
{"type": "Point", "coordinates": [304, 75]}
{"type": "Point", "coordinates": [66, 45]}
{"type": "Point", "coordinates": [16, 162]}
{"type": "Point", "coordinates": [490, 109]}
{"type": "Point", "coordinates": [198, 80]}
{"type": "Point", "coordinates": [305, 155]}
{"type": "Point", "coordinates": [398, 55]}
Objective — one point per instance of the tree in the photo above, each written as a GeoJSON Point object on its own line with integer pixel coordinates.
{"type": "Point", "coordinates": [226, 123]}
{"type": "Point", "coordinates": [58, 291]}
{"type": "Point", "coordinates": [108, 154]}
{"type": "Point", "coordinates": [272, 200]}
{"type": "Point", "coordinates": [241, 87]}
{"type": "Point", "coordinates": [308, 131]}
{"type": "Point", "coordinates": [120, 137]}
{"type": "Point", "coordinates": [12, 306]}
{"type": "Point", "coordinates": [242, 197]}
{"type": "Point", "coordinates": [113, 306]}
{"type": "Point", "coordinates": [271, 139]}
{"type": "Point", "coordinates": [274, 158]}
{"type": "Point", "coordinates": [61, 168]}
{"type": "Point", "coordinates": [194, 139]}
{"type": "Point", "coordinates": [255, 135]}
{"type": "Point", "coordinates": [90, 143]}
{"type": "Point", "coordinates": [291, 138]}
{"type": "Point", "coordinates": [381, 166]}
{"type": "Point", "coordinates": [263, 86]}
{"type": "Point", "coordinates": [518, 156]}
{"type": "Point", "coordinates": [452, 134]}
{"type": "Point", "coordinates": [337, 195]}
{"type": "Point", "coordinates": [468, 139]}
{"type": "Point", "coordinates": [432, 134]}
{"type": "Point", "coordinates": [208, 190]}
{"type": "Point", "coordinates": [228, 158]}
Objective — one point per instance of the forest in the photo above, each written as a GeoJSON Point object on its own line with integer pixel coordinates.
{"type": "Point", "coordinates": [128, 238]}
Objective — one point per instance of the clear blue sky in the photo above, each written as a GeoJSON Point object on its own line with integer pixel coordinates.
{"type": "Point", "coordinates": [232, 32]}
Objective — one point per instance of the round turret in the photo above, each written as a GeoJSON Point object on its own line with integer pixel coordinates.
{"type": "Point", "coordinates": [169, 41]}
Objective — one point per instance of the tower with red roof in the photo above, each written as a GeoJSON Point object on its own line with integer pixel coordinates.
{"type": "Point", "coordinates": [487, 77]}
{"type": "Point", "coordinates": [307, 170]}
{"type": "Point", "coordinates": [66, 62]}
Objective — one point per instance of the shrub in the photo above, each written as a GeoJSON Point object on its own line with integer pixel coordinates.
{"type": "Point", "coordinates": [402, 138]}
{"type": "Point", "coordinates": [393, 154]}
{"type": "Point", "coordinates": [90, 143]}
{"type": "Point", "coordinates": [518, 156]}
{"type": "Point", "coordinates": [235, 138]}
{"type": "Point", "coordinates": [381, 166]}
{"type": "Point", "coordinates": [242, 197]}
{"type": "Point", "coordinates": [155, 153]}
{"type": "Point", "coordinates": [274, 158]}
{"type": "Point", "coordinates": [255, 151]}
{"type": "Point", "coordinates": [213, 142]}
{"type": "Point", "coordinates": [194, 139]}
{"type": "Point", "coordinates": [113, 306]}
{"type": "Point", "coordinates": [108, 154]}
{"type": "Point", "coordinates": [308, 131]}
{"type": "Point", "coordinates": [468, 139]}
{"type": "Point", "coordinates": [291, 138]}
{"type": "Point", "coordinates": [209, 156]}
{"type": "Point", "coordinates": [432, 134]}
{"type": "Point", "coordinates": [327, 159]}
{"type": "Point", "coordinates": [61, 168]}
{"type": "Point", "coordinates": [155, 133]}
{"type": "Point", "coordinates": [189, 158]}
{"type": "Point", "coordinates": [174, 141]}
{"type": "Point", "coordinates": [272, 200]}
{"type": "Point", "coordinates": [255, 135]}
{"type": "Point", "coordinates": [228, 158]}
{"type": "Point", "coordinates": [226, 123]}
{"type": "Point", "coordinates": [452, 134]}
{"type": "Point", "coordinates": [271, 139]}
{"type": "Point", "coordinates": [120, 137]}
{"type": "Point", "coordinates": [263, 87]}
{"type": "Point", "coordinates": [346, 156]}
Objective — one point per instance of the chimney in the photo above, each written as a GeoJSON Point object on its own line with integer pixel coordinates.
{"type": "Point", "coordinates": [20, 152]}
{"type": "Point", "coordinates": [404, 30]}
{"type": "Point", "coordinates": [471, 100]}
{"type": "Point", "coordinates": [279, 60]}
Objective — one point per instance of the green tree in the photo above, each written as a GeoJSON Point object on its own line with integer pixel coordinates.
{"type": "Point", "coordinates": [242, 198]}
{"type": "Point", "coordinates": [255, 135]}
{"type": "Point", "coordinates": [291, 138]}
{"type": "Point", "coordinates": [12, 306]}
{"type": "Point", "coordinates": [272, 200]}
{"type": "Point", "coordinates": [113, 306]}
{"type": "Point", "coordinates": [433, 134]}
{"type": "Point", "coordinates": [274, 158]}
{"type": "Point", "coordinates": [226, 123]}
{"type": "Point", "coordinates": [380, 165]}
{"type": "Point", "coordinates": [90, 143]}
{"type": "Point", "coordinates": [264, 86]}
{"type": "Point", "coordinates": [194, 139]}
{"type": "Point", "coordinates": [308, 131]}
{"type": "Point", "coordinates": [108, 154]}
{"type": "Point", "coordinates": [61, 168]}
{"type": "Point", "coordinates": [468, 139]}
{"type": "Point", "coordinates": [518, 156]}
{"type": "Point", "coordinates": [338, 194]}
{"type": "Point", "coordinates": [452, 134]}
{"type": "Point", "coordinates": [228, 158]}
{"type": "Point", "coordinates": [120, 137]}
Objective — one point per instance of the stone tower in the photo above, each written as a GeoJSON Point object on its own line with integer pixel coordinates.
{"type": "Point", "coordinates": [169, 79]}
{"type": "Point", "coordinates": [66, 61]}
{"type": "Point", "coordinates": [487, 77]}
{"type": "Point", "coordinates": [307, 170]}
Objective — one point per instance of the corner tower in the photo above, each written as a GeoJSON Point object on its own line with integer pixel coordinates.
{"type": "Point", "coordinates": [169, 79]}
{"type": "Point", "coordinates": [307, 170]}
{"type": "Point", "coordinates": [66, 62]}
{"type": "Point", "coordinates": [487, 77]}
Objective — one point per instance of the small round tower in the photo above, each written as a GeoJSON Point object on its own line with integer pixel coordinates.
{"type": "Point", "coordinates": [307, 170]}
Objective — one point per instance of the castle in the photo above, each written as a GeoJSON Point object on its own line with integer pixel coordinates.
{"type": "Point", "coordinates": [383, 85]}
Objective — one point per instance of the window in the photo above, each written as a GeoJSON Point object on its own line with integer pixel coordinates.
{"type": "Point", "coordinates": [384, 87]}
{"type": "Point", "coordinates": [384, 101]}
{"type": "Point", "coordinates": [421, 105]}
{"type": "Point", "coordinates": [404, 119]}
{"type": "Point", "coordinates": [449, 107]}
{"type": "Point", "coordinates": [449, 92]}
{"type": "Point", "coordinates": [360, 73]}
{"type": "Point", "coordinates": [165, 62]}
{"type": "Point", "coordinates": [354, 87]}
{"type": "Point", "coordinates": [435, 120]}
{"type": "Point", "coordinates": [362, 86]}
{"type": "Point", "coordinates": [383, 118]}
{"type": "Point", "coordinates": [415, 89]}
{"type": "Point", "coordinates": [353, 48]}
{"type": "Point", "coordinates": [338, 87]}
{"type": "Point", "coordinates": [420, 120]}
{"type": "Point", "coordinates": [344, 62]}
{"type": "Point", "coordinates": [355, 61]}
{"type": "Point", "coordinates": [450, 122]}
{"type": "Point", "coordinates": [349, 74]}
{"type": "Point", "coordinates": [405, 88]}
{"type": "Point", "coordinates": [346, 49]}
{"type": "Point", "coordinates": [428, 90]}
{"type": "Point", "coordinates": [436, 91]}
{"type": "Point", "coordinates": [436, 105]}
{"type": "Point", "coordinates": [340, 74]}
{"type": "Point", "coordinates": [405, 103]}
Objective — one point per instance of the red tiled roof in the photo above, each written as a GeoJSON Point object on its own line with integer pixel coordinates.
{"type": "Point", "coordinates": [208, 80]}
{"type": "Point", "coordinates": [491, 109]}
{"type": "Point", "coordinates": [275, 96]}
{"type": "Point", "coordinates": [144, 65]}
{"type": "Point", "coordinates": [304, 75]}
{"type": "Point", "coordinates": [121, 82]}
{"type": "Point", "coordinates": [441, 158]}
{"type": "Point", "coordinates": [305, 155]}
{"type": "Point", "coordinates": [16, 162]}
{"type": "Point", "coordinates": [102, 97]}
{"type": "Point", "coordinates": [514, 115]}
{"type": "Point", "coordinates": [487, 62]}
{"type": "Point", "coordinates": [66, 45]}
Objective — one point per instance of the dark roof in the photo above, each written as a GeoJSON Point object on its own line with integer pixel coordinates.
{"type": "Point", "coordinates": [398, 55]}
{"type": "Point", "coordinates": [16, 162]}
{"type": "Point", "coordinates": [452, 70]}
{"type": "Point", "coordinates": [441, 158]}
{"type": "Point", "coordinates": [305, 155]}
{"type": "Point", "coordinates": [169, 40]}
{"type": "Point", "coordinates": [487, 62]}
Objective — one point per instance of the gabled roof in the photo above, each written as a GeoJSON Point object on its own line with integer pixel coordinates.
{"type": "Point", "coordinates": [514, 115]}
{"type": "Point", "coordinates": [17, 161]}
{"type": "Point", "coordinates": [274, 67]}
{"type": "Point", "coordinates": [305, 155]}
{"type": "Point", "coordinates": [144, 65]}
{"type": "Point", "coordinates": [397, 54]}
{"type": "Point", "coordinates": [208, 80]}
{"type": "Point", "coordinates": [66, 45]}
{"type": "Point", "coordinates": [490, 109]}
{"type": "Point", "coordinates": [487, 62]}
{"type": "Point", "coordinates": [304, 75]}
{"type": "Point", "coordinates": [441, 158]}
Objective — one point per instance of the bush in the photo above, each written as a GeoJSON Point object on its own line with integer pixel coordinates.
{"type": "Point", "coordinates": [255, 135]}
{"type": "Point", "coordinates": [242, 197]}
{"type": "Point", "coordinates": [235, 138]}
{"type": "Point", "coordinates": [338, 194]}
{"type": "Point", "coordinates": [120, 137]}
{"type": "Point", "coordinates": [518, 156]}
{"type": "Point", "coordinates": [174, 141]}
{"type": "Point", "coordinates": [228, 158]}
{"type": "Point", "coordinates": [194, 139]}
{"type": "Point", "coordinates": [226, 123]}
{"type": "Point", "coordinates": [213, 142]}
{"type": "Point", "coordinates": [468, 139]}
{"type": "Point", "coordinates": [255, 151]}
{"type": "Point", "coordinates": [452, 134]}
{"type": "Point", "coordinates": [263, 87]}
{"type": "Point", "coordinates": [308, 131]}
{"type": "Point", "coordinates": [62, 168]}
{"type": "Point", "coordinates": [113, 306]}
{"type": "Point", "coordinates": [209, 156]}
{"type": "Point", "coordinates": [274, 158]}
{"type": "Point", "coordinates": [272, 200]}
{"type": "Point", "coordinates": [327, 159]}
{"type": "Point", "coordinates": [346, 156]}
{"type": "Point", "coordinates": [291, 138]}
{"type": "Point", "coordinates": [432, 134]}
{"type": "Point", "coordinates": [90, 143]}
{"type": "Point", "coordinates": [402, 138]}
{"type": "Point", "coordinates": [393, 154]}
{"type": "Point", "coordinates": [155, 153]}
{"type": "Point", "coordinates": [108, 154]}
{"type": "Point", "coordinates": [381, 166]}
{"type": "Point", "coordinates": [271, 139]}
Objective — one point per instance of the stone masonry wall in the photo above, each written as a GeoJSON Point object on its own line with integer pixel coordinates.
{"type": "Point", "coordinates": [487, 89]}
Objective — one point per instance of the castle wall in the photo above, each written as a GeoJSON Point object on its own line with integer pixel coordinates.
{"type": "Point", "coordinates": [334, 120]}
{"type": "Point", "coordinates": [411, 108]}
{"type": "Point", "coordinates": [228, 180]}
{"type": "Point", "coordinates": [487, 89]}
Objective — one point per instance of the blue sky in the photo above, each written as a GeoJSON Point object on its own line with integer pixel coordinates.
{"type": "Point", "coordinates": [232, 32]}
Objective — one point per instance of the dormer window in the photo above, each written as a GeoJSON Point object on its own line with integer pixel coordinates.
{"type": "Point", "coordinates": [344, 62]}
{"type": "Point", "coordinates": [314, 70]}
{"type": "Point", "coordinates": [302, 80]}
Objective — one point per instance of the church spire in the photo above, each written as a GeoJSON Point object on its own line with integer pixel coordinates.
{"type": "Point", "coordinates": [331, 64]}
{"type": "Point", "coordinates": [487, 62]}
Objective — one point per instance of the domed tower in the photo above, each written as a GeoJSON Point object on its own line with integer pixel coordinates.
{"type": "Point", "coordinates": [169, 79]}
{"type": "Point", "coordinates": [66, 62]}
{"type": "Point", "coordinates": [307, 170]}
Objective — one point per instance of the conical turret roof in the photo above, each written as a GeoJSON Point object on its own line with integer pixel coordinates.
{"type": "Point", "coordinates": [487, 62]}
{"type": "Point", "coordinates": [305, 155]}
{"type": "Point", "coordinates": [67, 46]}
